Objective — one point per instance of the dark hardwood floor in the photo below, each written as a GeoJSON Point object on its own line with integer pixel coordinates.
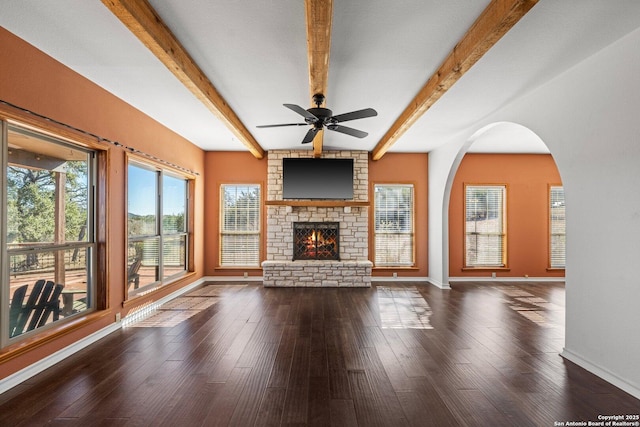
{"type": "Point", "coordinates": [481, 354]}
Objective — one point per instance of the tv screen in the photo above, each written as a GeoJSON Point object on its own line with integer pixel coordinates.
{"type": "Point", "coordinates": [311, 178]}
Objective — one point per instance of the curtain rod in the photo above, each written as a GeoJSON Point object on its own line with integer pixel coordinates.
{"type": "Point", "coordinates": [99, 138]}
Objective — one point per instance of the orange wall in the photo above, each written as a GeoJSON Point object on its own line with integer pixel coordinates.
{"type": "Point", "coordinates": [404, 168]}
{"type": "Point", "coordinates": [242, 167]}
{"type": "Point", "coordinates": [229, 168]}
{"type": "Point", "coordinates": [527, 177]}
{"type": "Point", "coordinates": [32, 80]}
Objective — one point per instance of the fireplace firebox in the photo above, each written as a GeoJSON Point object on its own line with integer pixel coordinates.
{"type": "Point", "coordinates": [316, 240]}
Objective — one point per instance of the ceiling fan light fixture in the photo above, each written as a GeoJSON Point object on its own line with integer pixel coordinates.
{"type": "Point", "coordinates": [320, 116]}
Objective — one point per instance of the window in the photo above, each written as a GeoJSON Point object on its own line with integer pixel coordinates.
{"type": "Point", "coordinates": [174, 227]}
{"type": "Point", "coordinates": [485, 230]}
{"type": "Point", "coordinates": [49, 242]}
{"type": "Point", "coordinates": [240, 225]}
{"type": "Point", "coordinates": [557, 230]}
{"type": "Point", "coordinates": [393, 231]}
{"type": "Point", "coordinates": [157, 227]}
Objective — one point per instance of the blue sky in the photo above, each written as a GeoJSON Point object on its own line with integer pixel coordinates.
{"type": "Point", "coordinates": [142, 192]}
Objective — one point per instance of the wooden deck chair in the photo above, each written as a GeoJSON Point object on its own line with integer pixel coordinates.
{"type": "Point", "coordinates": [132, 273]}
{"type": "Point", "coordinates": [16, 308]}
{"type": "Point", "coordinates": [43, 301]}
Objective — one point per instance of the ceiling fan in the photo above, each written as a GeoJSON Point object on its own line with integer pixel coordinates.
{"type": "Point", "coordinates": [319, 117]}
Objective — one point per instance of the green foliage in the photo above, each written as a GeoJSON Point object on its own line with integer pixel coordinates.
{"type": "Point", "coordinates": [76, 201]}
{"type": "Point", "coordinates": [35, 210]}
{"type": "Point", "coordinates": [393, 210]}
{"type": "Point", "coordinates": [242, 208]}
{"type": "Point", "coordinates": [173, 223]}
{"type": "Point", "coordinates": [141, 225]}
{"type": "Point", "coordinates": [31, 203]}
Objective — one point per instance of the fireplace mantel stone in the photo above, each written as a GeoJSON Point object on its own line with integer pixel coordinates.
{"type": "Point", "coordinates": [317, 203]}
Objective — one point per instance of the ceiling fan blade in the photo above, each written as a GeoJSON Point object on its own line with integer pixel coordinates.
{"type": "Point", "coordinates": [354, 115]}
{"type": "Point", "coordinates": [304, 113]}
{"type": "Point", "coordinates": [310, 135]}
{"type": "Point", "coordinates": [284, 124]}
{"type": "Point", "coordinates": [349, 131]}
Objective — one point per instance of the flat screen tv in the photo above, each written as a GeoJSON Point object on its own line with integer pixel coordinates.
{"type": "Point", "coordinates": [311, 178]}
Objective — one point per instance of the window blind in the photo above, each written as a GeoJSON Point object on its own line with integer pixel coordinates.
{"type": "Point", "coordinates": [393, 233]}
{"type": "Point", "coordinates": [485, 235]}
{"type": "Point", "coordinates": [240, 249]}
{"type": "Point", "coordinates": [557, 227]}
{"type": "Point", "coordinates": [240, 225]}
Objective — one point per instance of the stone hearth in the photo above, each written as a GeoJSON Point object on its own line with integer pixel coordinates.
{"type": "Point", "coordinates": [307, 273]}
{"type": "Point", "coordinates": [353, 268]}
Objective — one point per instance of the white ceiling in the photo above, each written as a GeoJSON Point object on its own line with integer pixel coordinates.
{"type": "Point", "coordinates": [382, 53]}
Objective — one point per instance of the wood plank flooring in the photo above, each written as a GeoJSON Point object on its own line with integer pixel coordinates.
{"type": "Point", "coordinates": [481, 354]}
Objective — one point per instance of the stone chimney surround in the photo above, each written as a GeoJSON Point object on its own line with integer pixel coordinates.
{"type": "Point", "coordinates": [354, 268]}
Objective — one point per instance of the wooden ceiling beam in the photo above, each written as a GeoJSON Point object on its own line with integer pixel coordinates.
{"type": "Point", "coordinates": [142, 20]}
{"type": "Point", "coordinates": [319, 17]}
{"type": "Point", "coordinates": [494, 22]}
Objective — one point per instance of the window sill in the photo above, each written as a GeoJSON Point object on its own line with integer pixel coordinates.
{"type": "Point", "coordinates": [555, 268]}
{"type": "Point", "coordinates": [402, 267]}
{"type": "Point", "coordinates": [133, 300]}
{"type": "Point", "coordinates": [253, 268]}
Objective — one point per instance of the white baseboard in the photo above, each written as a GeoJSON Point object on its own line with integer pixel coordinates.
{"type": "Point", "coordinates": [406, 279]}
{"type": "Point", "coordinates": [411, 279]}
{"type": "Point", "coordinates": [439, 284]}
{"type": "Point", "coordinates": [398, 279]}
{"type": "Point", "coordinates": [505, 279]}
{"type": "Point", "coordinates": [35, 368]}
{"type": "Point", "coordinates": [232, 279]}
{"type": "Point", "coordinates": [605, 374]}
{"type": "Point", "coordinates": [433, 282]}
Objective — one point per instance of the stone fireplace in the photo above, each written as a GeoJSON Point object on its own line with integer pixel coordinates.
{"type": "Point", "coordinates": [326, 260]}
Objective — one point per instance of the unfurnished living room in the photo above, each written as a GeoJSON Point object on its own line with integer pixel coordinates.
{"type": "Point", "coordinates": [319, 212]}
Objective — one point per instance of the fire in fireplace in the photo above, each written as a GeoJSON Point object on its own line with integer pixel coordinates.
{"type": "Point", "coordinates": [316, 240]}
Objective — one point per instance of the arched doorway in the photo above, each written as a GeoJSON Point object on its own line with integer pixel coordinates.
{"type": "Point", "coordinates": [497, 150]}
